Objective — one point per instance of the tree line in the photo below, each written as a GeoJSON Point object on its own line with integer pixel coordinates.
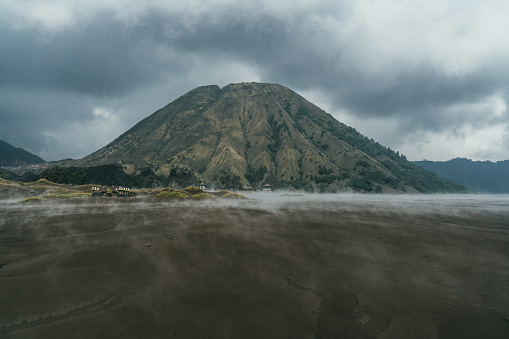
{"type": "Point", "coordinates": [63, 175]}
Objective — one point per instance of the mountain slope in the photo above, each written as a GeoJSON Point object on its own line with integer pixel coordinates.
{"type": "Point", "coordinates": [13, 156]}
{"type": "Point", "coordinates": [479, 176]}
{"type": "Point", "coordinates": [253, 133]}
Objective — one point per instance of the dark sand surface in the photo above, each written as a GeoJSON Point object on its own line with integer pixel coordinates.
{"type": "Point", "coordinates": [277, 266]}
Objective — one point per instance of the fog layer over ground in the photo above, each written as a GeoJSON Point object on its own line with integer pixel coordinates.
{"type": "Point", "coordinates": [275, 266]}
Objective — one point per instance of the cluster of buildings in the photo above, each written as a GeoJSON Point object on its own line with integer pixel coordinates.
{"type": "Point", "coordinates": [119, 192]}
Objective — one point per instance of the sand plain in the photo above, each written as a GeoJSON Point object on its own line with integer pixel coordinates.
{"type": "Point", "coordinates": [275, 266]}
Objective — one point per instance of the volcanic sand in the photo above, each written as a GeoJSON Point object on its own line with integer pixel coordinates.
{"type": "Point", "coordinates": [300, 269]}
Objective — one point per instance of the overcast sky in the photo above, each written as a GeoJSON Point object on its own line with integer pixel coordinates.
{"type": "Point", "coordinates": [427, 78]}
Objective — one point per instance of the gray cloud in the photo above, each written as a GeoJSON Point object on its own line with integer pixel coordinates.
{"type": "Point", "coordinates": [95, 60]}
{"type": "Point", "coordinates": [418, 75]}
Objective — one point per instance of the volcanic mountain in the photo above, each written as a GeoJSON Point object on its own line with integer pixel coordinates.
{"type": "Point", "coordinates": [255, 134]}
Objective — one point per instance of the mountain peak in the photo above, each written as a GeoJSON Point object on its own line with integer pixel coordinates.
{"type": "Point", "coordinates": [257, 133]}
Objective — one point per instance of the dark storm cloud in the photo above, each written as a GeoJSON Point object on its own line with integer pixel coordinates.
{"type": "Point", "coordinates": [137, 58]}
{"type": "Point", "coordinates": [98, 59]}
{"type": "Point", "coordinates": [27, 114]}
{"type": "Point", "coordinates": [50, 81]}
{"type": "Point", "coordinates": [421, 96]}
{"type": "Point", "coordinates": [291, 54]}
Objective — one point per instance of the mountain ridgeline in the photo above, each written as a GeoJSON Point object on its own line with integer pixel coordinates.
{"type": "Point", "coordinates": [479, 176]}
{"type": "Point", "coordinates": [255, 134]}
{"type": "Point", "coordinates": [13, 156]}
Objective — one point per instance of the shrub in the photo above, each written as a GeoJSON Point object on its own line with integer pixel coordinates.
{"type": "Point", "coordinates": [201, 196]}
{"type": "Point", "coordinates": [255, 175]}
{"type": "Point", "coordinates": [328, 179]}
{"type": "Point", "coordinates": [5, 174]}
{"type": "Point", "coordinates": [231, 195]}
{"type": "Point", "coordinates": [181, 195]}
{"type": "Point", "coordinates": [80, 176]}
{"type": "Point", "coordinates": [362, 163]}
{"type": "Point", "coordinates": [193, 189]}
{"type": "Point", "coordinates": [56, 174]}
{"type": "Point", "coordinates": [4, 182]}
{"type": "Point", "coordinates": [223, 192]}
{"type": "Point", "coordinates": [43, 182]}
{"type": "Point", "coordinates": [31, 199]}
{"type": "Point", "coordinates": [323, 170]}
{"type": "Point", "coordinates": [156, 192]}
{"type": "Point", "coordinates": [228, 180]}
{"type": "Point", "coordinates": [361, 184]}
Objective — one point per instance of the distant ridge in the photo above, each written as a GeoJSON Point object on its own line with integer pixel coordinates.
{"type": "Point", "coordinates": [14, 156]}
{"type": "Point", "coordinates": [479, 176]}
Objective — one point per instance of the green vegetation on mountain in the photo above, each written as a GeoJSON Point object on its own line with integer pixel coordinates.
{"type": "Point", "coordinates": [255, 134]}
{"type": "Point", "coordinates": [56, 174]}
{"type": "Point", "coordinates": [5, 174]}
{"type": "Point", "coordinates": [80, 176]}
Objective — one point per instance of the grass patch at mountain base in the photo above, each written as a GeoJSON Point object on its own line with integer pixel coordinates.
{"type": "Point", "coordinates": [232, 195]}
{"type": "Point", "coordinates": [31, 199]}
{"type": "Point", "coordinates": [69, 195]}
{"type": "Point", "coordinates": [178, 195]}
{"type": "Point", "coordinates": [202, 196]}
{"type": "Point", "coordinates": [193, 189]}
{"type": "Point", "coordinates": [157, 192]}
